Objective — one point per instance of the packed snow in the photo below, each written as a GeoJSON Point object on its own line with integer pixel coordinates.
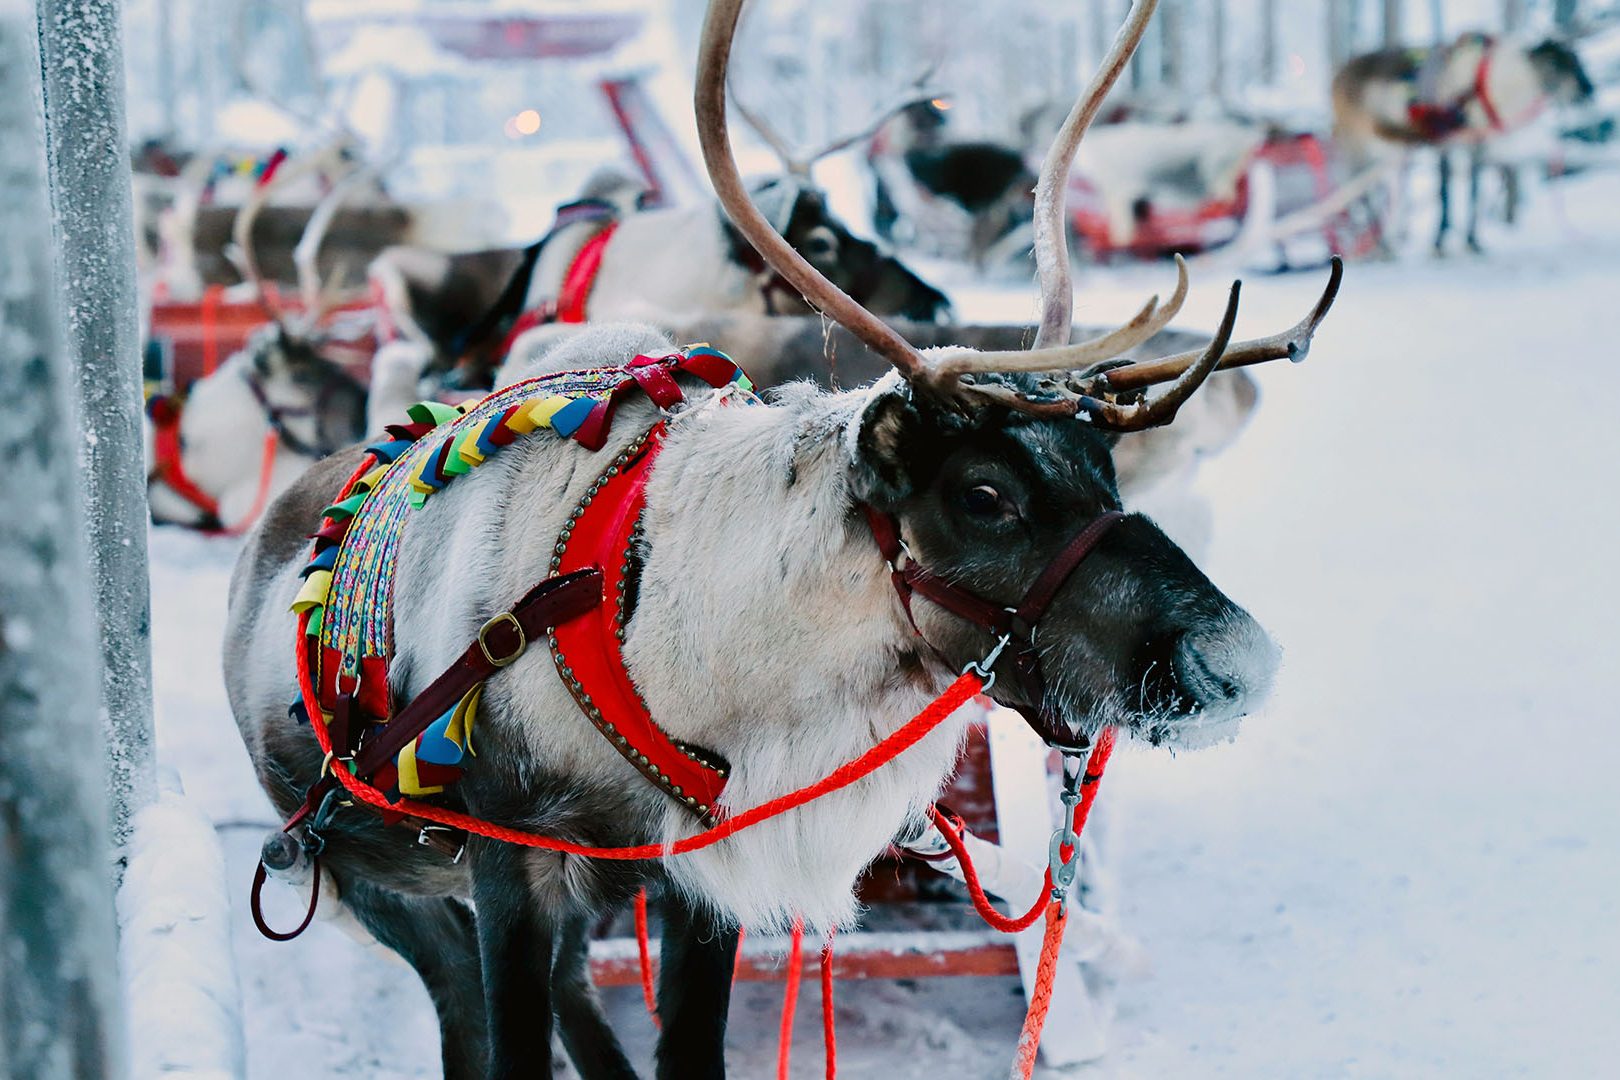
{"type": "Point", "coordinates": [1405, 866]}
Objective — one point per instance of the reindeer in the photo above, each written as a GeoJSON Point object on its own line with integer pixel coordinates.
{"type": "Point", "coordinates": [1464, 95]}
{"type": "Point", "coordinates": [245, 432]}
{"type": "Point", "coordinates": [607, 259]}
{"type": "Point", "coordinates": [787, 667]}
{"type": "Point", "coordinates": [920, 172]}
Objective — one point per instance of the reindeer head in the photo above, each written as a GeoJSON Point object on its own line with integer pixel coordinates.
{"type": "Point", "coordinates": [871, 276]}
{"type": "Point", "coordinates": [1561, 73]}
{"type": "Point", "coordinates": [797, 209]}
{"type": "Point", "coordinates": [993, 471]}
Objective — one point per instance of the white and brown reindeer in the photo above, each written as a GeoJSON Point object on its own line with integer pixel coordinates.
{"type": "Point", "coordinates": [1464, 96]}
{"type": "Point", "coordinates": [242, 434]}
{"type": "Point", "coordinates": [758, 621]}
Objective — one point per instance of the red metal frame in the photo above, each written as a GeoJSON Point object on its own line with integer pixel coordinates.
{"type": "Point", "coordinates": [855, 956]}
{"type": "Point", "coordinates": [196, 337]}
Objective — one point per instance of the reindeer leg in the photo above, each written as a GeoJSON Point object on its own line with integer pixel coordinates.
{"type": "Point", "coordinates": [694, 993]}
{"type": "Point", "coordinates": [516, 941]}
{"type": "Point", "coordinates": [436, 937]}
{"type": "Point", "coordinates": [589, 1040]}
{"type": "Point", "coordinates": [1445, 204]}
{"type": "Point", "coordinates": [1476, 167]}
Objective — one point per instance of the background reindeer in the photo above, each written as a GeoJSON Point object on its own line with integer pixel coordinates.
{"type": "Point", "coordinates": [653, 265]}
{"type": "Point", "coordinates": [243, 434]}
{"type": "Point", "coordinates": [988, 471]}
{"type": "Point", "coordinates": [1462, 96]}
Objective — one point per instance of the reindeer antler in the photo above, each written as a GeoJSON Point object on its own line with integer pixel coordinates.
{"type": "Point", "coordinates": [796, 160]}
{"type": "Point", "coordinates": [1093, 392]}
{"type": "Point", "coordinates": [320, 297]}
{"type": "Point", "coordinates": [242, 228]}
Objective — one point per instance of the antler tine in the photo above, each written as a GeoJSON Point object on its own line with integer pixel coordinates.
{"type": "Point", "coordinates": [1162, 409]}
{"type": "Point", "coordinates": [912, 94]}
{"type": "Point", "coordinates": [714, 54]}
{"type": "Point", "coordinates": [1292, 344]}
{"type": "Point", "coordinates": [317, 296]}
{"type": "Point", "coordinates": [245, 258]}
{"type": "Point", "coordinates": [1143, 325]}
{"type": "Point", "coordinates": [770, 136]}
{"type": "Point", "coordinates": [1051, 228]}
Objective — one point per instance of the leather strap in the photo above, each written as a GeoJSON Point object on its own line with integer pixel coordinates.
{"type": "Point", "coordinates": [588, 651]}
{"type": "Point", "coordinates": [502, 640]}
{"type": "Point", "coordinates": [165, 414]}
{"type": "Point", "coordinates": [1061, 568]}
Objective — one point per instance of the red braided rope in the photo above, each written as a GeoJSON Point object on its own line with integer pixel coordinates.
{"type": "Point", "coordinates": [902, 739]}
{"type": "Point", "coordinates": [970, 877]}
{"type": "Point", "coordinates": [829, 1033]}
{"type": "Point", "coordinates": [790, 1001]}
{"type": "Point", "coordinates": [644, 948]}
{"type": "Point", "coordinates": [1040, 999]}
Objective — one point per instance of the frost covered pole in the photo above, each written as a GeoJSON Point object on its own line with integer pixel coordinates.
{"type": "Point", "coordinates": [58, 987]}
{"type": "Point", "coordinates": [87, 161]}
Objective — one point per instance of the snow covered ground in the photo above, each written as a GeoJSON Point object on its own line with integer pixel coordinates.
{"type": "Point", "coordinates": [1405, 867]}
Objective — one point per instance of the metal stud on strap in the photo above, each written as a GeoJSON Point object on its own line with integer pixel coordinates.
{"type": "Point", "coordinates": [483, 639]}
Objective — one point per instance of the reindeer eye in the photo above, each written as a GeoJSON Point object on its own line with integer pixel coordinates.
{"type": "Point", "coordinates": [982, 501]}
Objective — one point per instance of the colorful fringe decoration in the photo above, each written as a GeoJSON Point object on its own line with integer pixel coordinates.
{"type": "Point", "coordinates": [348, 584]}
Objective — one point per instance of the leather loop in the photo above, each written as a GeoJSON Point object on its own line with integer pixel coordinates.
{"type": "Point", "coordinates": [255, 905]}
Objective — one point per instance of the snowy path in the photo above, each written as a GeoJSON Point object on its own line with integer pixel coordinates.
{"type": "Point", "coordinates": [1405, 867]}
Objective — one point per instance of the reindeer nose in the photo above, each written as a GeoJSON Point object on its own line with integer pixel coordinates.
{"type": "Point", "coordinates": [1226, 668]}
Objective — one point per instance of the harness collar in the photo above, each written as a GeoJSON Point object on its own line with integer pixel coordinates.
{"type": "Point", "coordinates": [603, 532]}
{"type": "Point", "coordinates": [1482, 93]}
{"type": "Point", "coordinates": [419, 749]}
{"type": "Point", "coordinates": [1014, 626]}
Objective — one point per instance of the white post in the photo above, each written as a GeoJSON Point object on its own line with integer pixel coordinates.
{"type": "Point", "coordinates": [58, 989]}
{"type": "Point", "coordinates": [1394, 23]}
{"type": "Point", "coordinates": [1270, 49]}
{"type": "Point", "coordinates": [87, 154]}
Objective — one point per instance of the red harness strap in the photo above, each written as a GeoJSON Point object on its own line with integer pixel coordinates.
{"type": "Point", "coordinates": [587, 649]}
{"type": "Point", "coordinates": [1482, 91]}
{"type": "Point", "coordinates": [169, 470]}
{"type": "Point", "coordinates": [165, 414]}
{"type": "Point", "coordinates": [574, 295]}
{"type": "Point", "coordinates": [581, 276]}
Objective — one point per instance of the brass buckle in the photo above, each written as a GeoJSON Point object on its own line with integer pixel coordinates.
{"type": "Point", "coordinates": [483, 639]}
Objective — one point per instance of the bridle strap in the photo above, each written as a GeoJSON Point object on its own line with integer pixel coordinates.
{"type": "Point", "coordinates": [1019, 620]}
{"type": "Point", "coordinates": [1061, 568]}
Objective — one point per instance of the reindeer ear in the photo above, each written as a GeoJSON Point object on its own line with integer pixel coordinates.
{"type": "Point", "coordinates": [883, 443]}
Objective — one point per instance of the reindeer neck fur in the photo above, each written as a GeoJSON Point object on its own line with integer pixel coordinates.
{"type": "Point", "coordinates": [768, 629]}
{"type": "Point", "coordinates": [765, 629]}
